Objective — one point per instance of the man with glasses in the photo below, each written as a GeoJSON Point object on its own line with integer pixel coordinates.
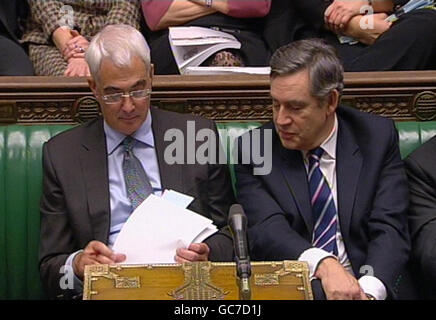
{"type": "Point", "coordinates": [96, 174]}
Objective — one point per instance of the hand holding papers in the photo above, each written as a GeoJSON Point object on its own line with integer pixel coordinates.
{"type": "Point", "coordinates": [157, 228]}
{"type": "Point", "coordinates": [191, 46]}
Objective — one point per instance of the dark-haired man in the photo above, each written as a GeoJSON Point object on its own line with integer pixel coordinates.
{"type": "Point", "coordinates": [337, 194]}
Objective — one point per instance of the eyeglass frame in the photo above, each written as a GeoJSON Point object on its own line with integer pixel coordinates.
{"type": "Point", "coordinates": [124, 95]}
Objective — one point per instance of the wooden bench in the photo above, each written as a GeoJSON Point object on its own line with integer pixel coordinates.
{"type": "Point", "coordinates": [403, 96]}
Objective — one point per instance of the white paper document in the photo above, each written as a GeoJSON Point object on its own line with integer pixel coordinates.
{"type": "Point", "coordinates": [191, 46]}
{"type": "Point", "coordinates": [177, 198]}
{"type": "Point", "coordinates": [157, 228]}
{"type": "Point", "coordinates": [227, 70]}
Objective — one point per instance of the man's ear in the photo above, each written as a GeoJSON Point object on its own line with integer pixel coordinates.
{"type": "Point", "coordinates": [151, 72]}
{"type": "Point", "coordinates": [92, 85]}
{"type": "Point", "coordinates": [333, 100]}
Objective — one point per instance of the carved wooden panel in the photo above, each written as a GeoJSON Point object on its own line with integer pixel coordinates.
{"type": "Point", "coordinates": [44, 111]}
{"type": "Point", "coordinates": [408, 95]}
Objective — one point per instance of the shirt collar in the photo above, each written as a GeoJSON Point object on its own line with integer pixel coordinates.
{"type": "Point", "coordinates": [329, 144]}
{"type": "Point", "coordinates": [144, 134]}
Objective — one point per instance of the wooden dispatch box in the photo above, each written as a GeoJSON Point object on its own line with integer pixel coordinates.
{"type": "Point", "coordinates": [273, 280]}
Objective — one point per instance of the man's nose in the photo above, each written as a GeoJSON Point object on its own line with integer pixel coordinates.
{"type": "Point", "coordinates": [127, 104]}
{"type": "Point", "coordinates": [282, 116]}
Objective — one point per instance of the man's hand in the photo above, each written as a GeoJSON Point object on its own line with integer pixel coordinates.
{"type": "Point", "coordinates": [340, 12]}
{"type": "Point", "coordinates": [337, 283]}
{"type": "Point", "coordinates": [95, 252]}
{"type": "Point", "coordinates": [370, 35]}
{"type": "Point", "coordinates": [195, 252]}
{"type": "Point", "coordinates": [77, 67]}
{"type": "Point", "coordinates": [75, 47]}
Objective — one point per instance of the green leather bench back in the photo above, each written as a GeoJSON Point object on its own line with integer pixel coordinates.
{"type": "Point", "coordinates": [20, 191]}
{"type": "Point", "coordinates": [413, 134]}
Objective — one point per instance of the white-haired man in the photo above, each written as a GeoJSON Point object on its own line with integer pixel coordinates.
{"type": "Point", "coordinates": [87, 196]}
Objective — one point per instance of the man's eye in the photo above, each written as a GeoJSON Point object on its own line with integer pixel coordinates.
{"type": "Point", "coordinates": [113, 93]}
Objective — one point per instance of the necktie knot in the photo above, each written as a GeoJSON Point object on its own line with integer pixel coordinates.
{"type": "Point", "coordinates": [128, 143]}
{"type": "Point", "coordinates": [317, 152]}
{"type": "Point", "coordinates": [315, 156]}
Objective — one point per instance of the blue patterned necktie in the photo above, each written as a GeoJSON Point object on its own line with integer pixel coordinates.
{"type": "Point", "coordinates": [323, 206]}
{"type": "Point", "coordinates": [137, 184]}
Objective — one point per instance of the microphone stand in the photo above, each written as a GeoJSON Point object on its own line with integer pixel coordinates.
{"type": "Point", "coordinates": [238, 225]}
{"type": "Point", "coordinates": [244, 288]}
{"type": "Point", "coordinates": [244, 272]}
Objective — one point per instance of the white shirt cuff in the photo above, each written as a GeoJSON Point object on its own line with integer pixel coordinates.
{"type": "Point", "coordinates": [77, 283]}
{"type": "Point", "coordinates": [313, 257]}
{"type": "Point", "coordinates": [373, 286]}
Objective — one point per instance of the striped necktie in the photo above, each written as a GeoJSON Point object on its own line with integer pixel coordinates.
{"type": "Point", "coordinates": [137, 184]}
{"type": "Point", "coordinates": [323, 206]}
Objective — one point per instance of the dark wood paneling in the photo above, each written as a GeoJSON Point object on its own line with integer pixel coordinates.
{"type": "Point", "coordinates": [405, 95]}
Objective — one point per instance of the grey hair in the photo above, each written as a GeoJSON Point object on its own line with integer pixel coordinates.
{"type": "Point", "coordinates": [119, 43]}
{"type": "Point", "coordinates": [326, 72]}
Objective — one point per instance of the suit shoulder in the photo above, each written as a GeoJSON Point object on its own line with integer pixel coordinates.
{"type": "Point", "coordinates": [68, 137]}
{"type": "Point", "coordinates": [367, 127]}
{"type": "Point", "coordinates": [265, 127]}
{"type": "Point", "coordinates": [425, 154]}
{"type": "Point", "coordinates": [358, 117]}
{"type": "Point", "coordinates": [176, 118]}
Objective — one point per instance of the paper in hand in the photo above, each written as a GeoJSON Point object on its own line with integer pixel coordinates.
{"type": "Point", "coordinates": [157, 228]}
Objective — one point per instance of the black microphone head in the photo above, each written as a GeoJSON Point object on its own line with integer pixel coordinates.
{"type": "Point", "coordinates": [237, 218]}
{"type": "Point", "coordinates": [238, 227]}
{"type": "Point", "coordinates": [236, 209]}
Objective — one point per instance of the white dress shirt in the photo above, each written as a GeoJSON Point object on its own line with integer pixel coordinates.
{"type": "Point", "coordinates": [369, 284]}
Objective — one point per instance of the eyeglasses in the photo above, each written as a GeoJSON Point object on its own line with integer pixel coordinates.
{"type": "Point", "coordinates": [118, 97]}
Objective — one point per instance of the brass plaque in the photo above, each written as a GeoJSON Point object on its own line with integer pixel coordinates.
{"type": "Point", "coordinates": [8, 112]}
{"type": "Point", "coordinates": [278, 280]}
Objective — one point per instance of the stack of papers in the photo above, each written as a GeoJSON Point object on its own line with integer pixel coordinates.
{"type": "Point", "coordinates": [158, 227]}
{"type": "Point", "coordinates": [227, 70]}
{"type": "Point", "coordinates": [191, 46]}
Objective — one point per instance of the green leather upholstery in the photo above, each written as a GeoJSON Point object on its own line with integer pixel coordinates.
{"type": "Point", "coordinates": [413, 134]}
{"type": "Point", "coordinates": [228, 132]}
{"type": "Point", "coordinates": [20, 190]}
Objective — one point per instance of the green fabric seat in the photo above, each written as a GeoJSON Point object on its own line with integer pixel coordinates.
{"type": "Point", "coordinates": [20, 191]}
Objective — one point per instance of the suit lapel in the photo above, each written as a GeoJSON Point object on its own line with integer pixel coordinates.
{"type": "Point", "coordinates": [170, 175]}
{"type": "Point", "coordinates": [348, 166]}
{"type": "Point", "coordinates": [295, 176]}
{"type": "Point", "coordinates": [93, 159]}
{"type": "Point", "coordinates": [6, 13]}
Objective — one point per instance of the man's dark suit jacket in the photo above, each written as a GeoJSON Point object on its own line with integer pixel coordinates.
{"type": "Point", "coordinates": [372, 199]}
{"type": "Point", "coordinates": [75, 206]}
{"type": "Point", "coordinates": [13, 59]}
{"type": "Point", "coordinates": [11, 12]}
{"type": "Point", "coordinates": [421, 171]}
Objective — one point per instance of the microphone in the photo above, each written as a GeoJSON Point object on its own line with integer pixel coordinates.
{"type": "Point", "coordinates": [238, 226]}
